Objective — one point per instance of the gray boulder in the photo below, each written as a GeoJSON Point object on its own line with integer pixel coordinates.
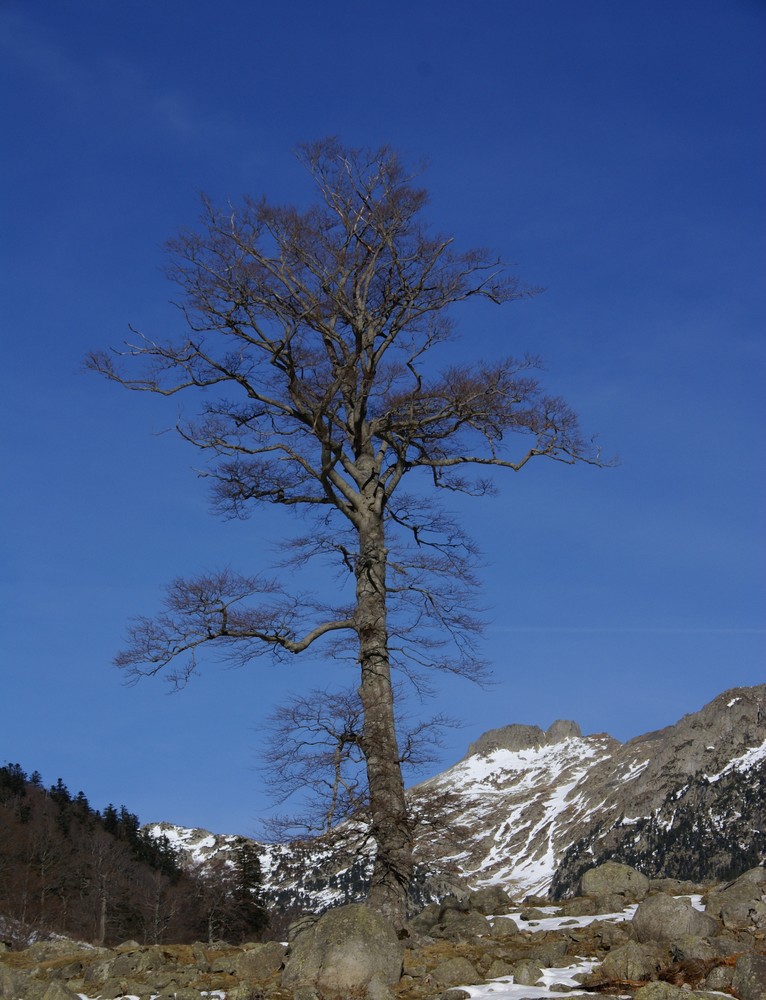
{"type": "Point", "coordinates": [259, 961]}
{"type": "Point", "coordinates": [457, 926]}
{"type": "Point", "coordinates": [350, 948]}
{"type": "Point", "coordinates": [455, 972]}
{"type": "Point", "coordinates": [18, 986]}
{"type": "Point", "coordinates": [492, 900]}
{"type": "Point", "coordinates": [632, 961]}
{"type": "Point", "coordinates": [749, 982]}
{"type": "Point", "coordinates": [719, 978]}
{"type": "Point", "coordinates": [612, 879]}
{"type": "Point", "coordinates": [580, 906]}
{"type": "Point", "coordinates": [504, 927]}
{"type": "Point", "coordinates": [742, 903]}
{"type": "Point", "coordinates": [665, 918]}
{"type": "Point", "coordinates": [499, 967]}
{"type": "Point", "coordinates": [527, 972]}
{"type": "Point", "coordinates": [549, 953]}
{"type": "Point", "coordinates": [661, 991]}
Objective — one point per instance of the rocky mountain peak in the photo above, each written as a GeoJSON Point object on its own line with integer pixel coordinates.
{"type": "Point", "coordinates": [522, 737]}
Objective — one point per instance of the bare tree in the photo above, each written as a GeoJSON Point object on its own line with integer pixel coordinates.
{"type": "Point", "coordinates": [313, 749]}
{"type": "Point", "coordinates": [308, 335]}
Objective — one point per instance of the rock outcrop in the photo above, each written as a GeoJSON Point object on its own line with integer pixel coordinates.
{"type": "Point", "coordinates": [348, 951]}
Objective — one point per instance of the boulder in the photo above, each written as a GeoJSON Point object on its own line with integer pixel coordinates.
{"type": "Point", "coordinates": [632, 961]}
{"type": "Point", "coordinates": [504, 927]}
{"type": "Point", "coordinates": [613, 902]}
{"type": "Point", "coordinates": [719, 978]}
{"type": "Point", "coordinates": [580, 906]}
{"type": "Point", "coordinates": [613, 878]}
{"type": "Point", "coordinates": [661, 991]}
{"type": "Point", "coordinates": [492, 900]}
{"type": "Point", "coordinates": [665, 918]}
{"type": "Point", "coordinates": [749, 981]}
{"type": "Point", "coordinates": [350, 948]}
{"type": "Point", "coordinates": [18, 986]}
{"type": "Point", "coordinates": [456, 926]}
{"type": "Point", "coordinates": [549, 953]}
{"type": "Point", "coordinates": [455, 972]}
{"type": "Point", "coordinates": [692, 948]}
{"type": "Point", "coordinates": [259, 961]}
{"type": "Point", "coordinates": [43, 951]}
{"type": "Point", "coordinates": [674, 886]}
{"type": "Point", "coordinates": [499, 967]}
{"type": "Point", "coordinates": [741, 903]}
{"type": "Point", "coordinates": [527, 972]}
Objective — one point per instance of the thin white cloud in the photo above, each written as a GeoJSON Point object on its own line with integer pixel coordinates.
{"type": "Point", "coordinates": [84, 85]}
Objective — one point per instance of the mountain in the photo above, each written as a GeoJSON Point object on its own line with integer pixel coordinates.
{"type": "Point", "coordinates": [532, 809]}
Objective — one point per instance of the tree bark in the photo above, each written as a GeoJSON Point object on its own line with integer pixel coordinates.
{"type": "Point", "coordinates": [390, 825]}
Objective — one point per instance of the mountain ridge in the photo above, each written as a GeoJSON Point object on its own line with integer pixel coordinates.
{"type": "Point", "coordinates": [528, 809]}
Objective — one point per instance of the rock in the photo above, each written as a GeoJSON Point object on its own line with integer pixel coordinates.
{"type": "Point", "coordinates": [749, 980]}
{"type": "Point", "coordinates": [455, 971]}
{"type": "Point", "coordinates": [347, 949]}
{"type": "Point", "coordinates": [498, 968]}
{"type": "Point", "coordinates": [513, 737]}
{"type": "Point", "coordinates": [719, 978]}
{"type": "Point", "coordinates": [549, 953]}
{"type": "Point", "coordinates": [756, 875]}
{"type": "Point", "coordinates": [632, 961]}
{"type": "Point", "coordinates": [665, 918]}
{"type": "Point", "coordinates": [42, 951]}
{"type": "Point", "coordinates": [661, 991]}
{"type": "Point", "coordinates": [527, 972]}
{"type": "Point", "coordinates": [613, 878]}
{"type": "Point", "coordinates": [130, 945]}
{"type": "Point", "coordinates": [492, 900]}
{"type": "Point", "coordinates": [614, 902]}
{"type": "Point", "coordinates": [259, 961]}
{"type": "Point", "coordinates": [457, 926]}
{"type": "Point", "coordinates": [425, 920]}
{"type": "Point", "coordinates": [562, 729]}
{"type": "Point", "coordinates": [504, 927]}
{"type": "Point", "coordinates": [18, 986]}
{"type": "Point", "coordinates": [580, 906]}
{"type": "Point", "coordinates": [687, 948]}
{"type": "Point", "coordinates": [610, 935]}
{"type": "Point", "coordinates": [454, 904]}
{"type": "Point", "coordinates": [741, 903]}
{"type": "Point", "coordinates": [533, 913]}
{"type": "Point", "coordinates": [674, 886]}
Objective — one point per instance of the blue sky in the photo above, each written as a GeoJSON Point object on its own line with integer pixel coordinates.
{"type": "Point", "coordinates": [613, 151]}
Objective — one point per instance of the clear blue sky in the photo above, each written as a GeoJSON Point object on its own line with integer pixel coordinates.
{"type": "Point", "coordinates": [613, 151]}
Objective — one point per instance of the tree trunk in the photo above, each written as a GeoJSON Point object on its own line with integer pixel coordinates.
{"type": "Point", "coordinates": [390, 824]}
{"type": "Point", "coordinates": [102, 915]}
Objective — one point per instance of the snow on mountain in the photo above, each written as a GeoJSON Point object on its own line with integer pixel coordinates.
{"type": "Point", "coordinates": [531, 810]}
{"type": "Point", "coordinates": [514, 805]}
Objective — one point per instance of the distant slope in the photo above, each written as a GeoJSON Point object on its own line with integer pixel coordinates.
{"type": "Point", "coordinates": [531, 809]}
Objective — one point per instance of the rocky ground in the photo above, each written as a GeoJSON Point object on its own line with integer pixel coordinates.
{"type": "Point", "coordinates": [623, 935]}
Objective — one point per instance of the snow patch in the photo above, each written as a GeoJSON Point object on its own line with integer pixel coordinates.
{"type": "Point", "coordinates": [748, 760]}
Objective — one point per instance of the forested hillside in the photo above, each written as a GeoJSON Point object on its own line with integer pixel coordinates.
{"type": "Point", "coordinates": [96, 876]}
